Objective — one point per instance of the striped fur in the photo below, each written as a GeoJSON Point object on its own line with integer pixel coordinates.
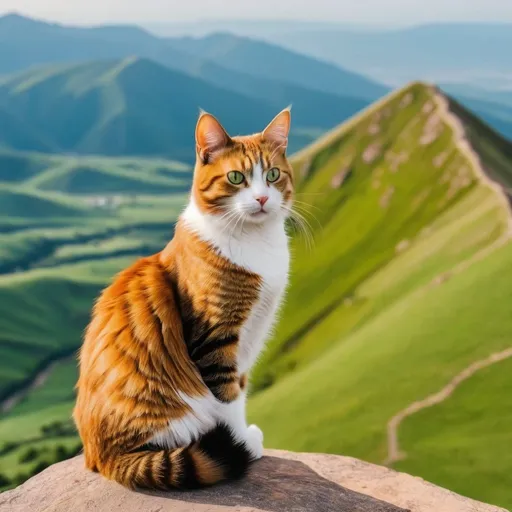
{"type": "Point", "coordinates": [163, 367]}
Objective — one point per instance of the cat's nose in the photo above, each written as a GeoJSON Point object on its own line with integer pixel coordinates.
{"type": "Point", "coordinates": [262, 200]}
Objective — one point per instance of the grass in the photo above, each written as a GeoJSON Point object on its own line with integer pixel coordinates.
{"type": "Point", "coordinates": [406, 352]}
{"type": "Point", "coordinates": [58, 388]}
{"type": "Point", "coordinates": [461, 443]}
{"type": "Point", "coordinates": [46, 318]}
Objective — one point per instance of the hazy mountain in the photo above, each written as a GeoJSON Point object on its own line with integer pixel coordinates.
{"type": "Point", "coordinates": [498, 96]}
{"type": "Point", "coordinates": [465, 52]}
{"type": "Point", "coordinates": [28, 42]}
{"type": "Point", "coordinates": [138, 107]}
{"type": "Point", "coordinates": [494, 107]}
{"type": "Point", "coordinates": [133, 106]}
{"type": "Point", "coordinates": [321, 94]}
{"type": "Point", "coordinates": [272, 62]}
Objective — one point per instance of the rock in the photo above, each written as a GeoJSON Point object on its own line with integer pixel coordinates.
{"type": "Point", "coordinates": [340, 177]}
{"type": "Point", "coordinates": [280, 482]}
{"type": "Point", "coordinates": [372, 152]}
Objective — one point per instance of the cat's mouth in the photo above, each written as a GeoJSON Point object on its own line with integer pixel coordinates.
{"type": "Point", "coordinates": [259, 213]}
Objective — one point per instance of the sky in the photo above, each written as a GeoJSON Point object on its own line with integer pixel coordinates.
{"type": "Point", "coordinates": [383, 12]}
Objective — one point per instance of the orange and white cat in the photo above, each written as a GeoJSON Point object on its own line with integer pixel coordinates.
{"type": "Point", "coordinates": [164, 365]}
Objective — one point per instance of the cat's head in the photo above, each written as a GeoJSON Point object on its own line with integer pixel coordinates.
{"type": "Point", "coordinates": [245, 178]}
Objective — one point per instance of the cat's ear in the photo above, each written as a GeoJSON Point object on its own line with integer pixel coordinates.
{"type": "Point", "coordinates": [211, 138]}
{"type": "Point", "coordinates": [277, 131]}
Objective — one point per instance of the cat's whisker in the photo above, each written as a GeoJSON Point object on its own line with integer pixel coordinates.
{"type": "Point", "coordinates": [296, 201]}
{"type": "Point", "coordinates": [306, 213]}
{"type": "Point", "coordinates": [230, 219]}
{"type": "Point", "coordinates": [304, 226]}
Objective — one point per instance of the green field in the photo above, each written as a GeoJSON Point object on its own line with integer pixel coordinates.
{"type": "Point", "coordinates": [408, 281]}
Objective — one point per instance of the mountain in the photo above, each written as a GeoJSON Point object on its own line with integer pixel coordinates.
{"type": "Point", "coordinates": [30, 43]}
{"type": "Point", "coordinates": [16, 133]}
{"type": "Point", "coordinates": [439, 52]}
{"type": "Point", "coordinates": [407, 285]}
{"type": "Point", "coordinates": [138, 107]}
{"type": "Point", "coordinates": [86, 75]}
{"type": "Point", "coordinates": [271, 62]}
{"type": "Point", "coordinates": [495, 107]}
{"type": "Point", "coordinates": [500, 96]}
{"type": "Point", "coordinates": [133, 106]}
{"type": "Point", "coordinates": [497, 115]}
{"type": "Point", "coordinates": [403, 294]}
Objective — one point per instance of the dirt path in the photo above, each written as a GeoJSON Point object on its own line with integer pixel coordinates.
{"type": "Point", "coordinates": [39, 380]}
{"type": "Point", "coordinates": [394, 453]}
{"type": "Point", "coordinates": [461, 141]}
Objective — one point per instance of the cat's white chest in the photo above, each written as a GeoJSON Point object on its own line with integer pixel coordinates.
{"type": "Point", "coordinates": [257, 328]}
{"type": "Point", "coordinates": [265, 254]}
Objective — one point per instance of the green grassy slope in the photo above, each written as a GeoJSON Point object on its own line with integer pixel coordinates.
{"type": "Point", "coordinates": [15, 202]}
{"type": "Point", "coordinates": [46, 318]}
{"type": "Point", "coordinates": [475, 433]}
{"type": "Point", "coordinates": [386, 322]}
{"type": "Point", "coordinates": [51, 307]}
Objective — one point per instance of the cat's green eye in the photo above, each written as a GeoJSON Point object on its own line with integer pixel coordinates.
{"type": "Point", "coordinates": [236, 177]}
{"type": "Point", "coordinates": [273, 175]}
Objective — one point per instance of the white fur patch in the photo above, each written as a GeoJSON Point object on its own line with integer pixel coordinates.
{"type": "Point", "coordinates": [182, 431]}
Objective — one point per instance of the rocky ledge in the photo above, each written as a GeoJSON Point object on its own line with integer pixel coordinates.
{"type": "Point", "coordinates": [280, 482]}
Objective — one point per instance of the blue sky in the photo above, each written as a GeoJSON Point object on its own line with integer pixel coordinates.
{"type": "Point", "coordinates": [346, 11]}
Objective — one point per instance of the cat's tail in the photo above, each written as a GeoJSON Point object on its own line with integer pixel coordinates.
{"type": "Point", "coordinates": [215, 457]}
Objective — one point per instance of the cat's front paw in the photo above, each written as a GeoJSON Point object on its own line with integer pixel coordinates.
{"type": "Point", "coordinates": [255, 441]}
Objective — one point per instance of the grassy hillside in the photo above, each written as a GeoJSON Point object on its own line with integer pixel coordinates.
{"type": "Point", "coordinates": [395, 308]}
{"type": "Point", "coordinates": [477, 406]}
{"type": "Point", "coordinates": [51, 306]}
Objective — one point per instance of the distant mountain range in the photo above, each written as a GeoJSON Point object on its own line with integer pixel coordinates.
{"type": "Point", "coordinates": [115, 103]}
{"type": "Point", "coordinates": [463, 52]}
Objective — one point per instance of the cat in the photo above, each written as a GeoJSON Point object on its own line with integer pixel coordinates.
{"type": "Point", "coordinates": [165, 360]}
